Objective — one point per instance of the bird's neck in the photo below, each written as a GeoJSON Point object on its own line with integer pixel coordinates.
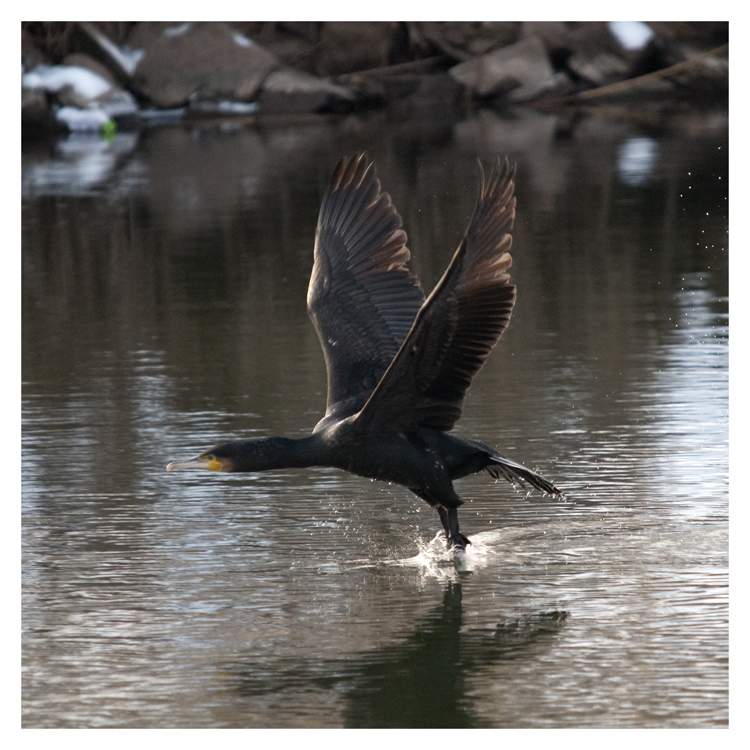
{"type": "Point", "coordinates": [277, 453]}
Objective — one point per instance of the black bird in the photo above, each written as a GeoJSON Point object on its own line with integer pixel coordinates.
{"type": "Point", "coordinates": [399, 365]}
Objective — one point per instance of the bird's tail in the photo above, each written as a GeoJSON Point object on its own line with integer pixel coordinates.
{"type": "Point", "coordinates": [504, 468]}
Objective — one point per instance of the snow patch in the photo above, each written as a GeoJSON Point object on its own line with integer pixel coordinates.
{"type": "Point", "coordinates": [242, 40]}
{"type": "Point", "coordinates": [78, 120]}
{"type": "Point", "coordinates": [632, 35]}
{"type": "Point", "coordinates": [85, 82]}
{"type": "Point", "coordinates": [173, 31]}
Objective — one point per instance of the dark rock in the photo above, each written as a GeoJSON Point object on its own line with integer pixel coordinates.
{"type": "Point", "coordinates": [202, 60]}
{"type": "Point", "coordinates": [463, 39]}
{"type": "Point", "coordinates": [353, 46]}
{"type": "Point", "coordinates": [306, 30]}
{"type": "Point", "coordinates": [294, 44]}
{"type": "Point", "coordinates": [83, 60]}
{"type": "Point", "coordinates": [558, 36]}
{"type": "Point", "coordinates": [36, 116]}
{"type": "Point", "coordinates": [497, 73]}
{"type": "Point", "coordinates": [291, 91]}
{"type": "Point", "coordinates": [588, 51]}
{"type": "Point", "coordinates": [70, 96]}
{"type": "Point", "coordinates": [597, 56]}
{"type": "Point", "coordinates": [598, 69]}
{"type": "Point", "coordinates": [704, 33]}
{"type": "Point", "coordinates": [436, 99]}
{"type": "Point", "coordinates": [294, 53]}
{"type": "Point", "coordinates": [31, 55]}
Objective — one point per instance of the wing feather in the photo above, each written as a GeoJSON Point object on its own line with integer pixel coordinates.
{"type": "Point", "coordinates": [458, 325]}
{"type": "Point", "coordinates": [362, 297]}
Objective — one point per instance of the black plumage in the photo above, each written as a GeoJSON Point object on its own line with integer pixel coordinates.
{"type": "Point", "coordinates": [399, 365]}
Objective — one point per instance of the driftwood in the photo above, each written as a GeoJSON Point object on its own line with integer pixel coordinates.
{"type": "Point", "coordinates": [631, 83]}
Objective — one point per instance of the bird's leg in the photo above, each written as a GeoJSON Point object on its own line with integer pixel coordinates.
{"type": "Point", "coordinates": [443, 513]}
{"type": "Point", "coordinates": [449, 519]}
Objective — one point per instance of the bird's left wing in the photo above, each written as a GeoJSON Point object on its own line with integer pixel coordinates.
{"type": "Point", "coordinates": [362, 297]}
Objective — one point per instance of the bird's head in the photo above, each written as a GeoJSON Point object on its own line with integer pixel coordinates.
{"type": "Point", "coordinates": [245, 455]}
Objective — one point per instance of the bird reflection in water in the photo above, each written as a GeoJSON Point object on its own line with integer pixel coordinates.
{"type": "Point", "coordinates": [419, 682]}
{"type": "Point", "coordinates": [399, 365]}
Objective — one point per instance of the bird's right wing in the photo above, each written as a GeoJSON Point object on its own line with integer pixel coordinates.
{"type": "Point", "coordinates": [457, 326]}
{"type": "Point", "coordinates": [362, 297]}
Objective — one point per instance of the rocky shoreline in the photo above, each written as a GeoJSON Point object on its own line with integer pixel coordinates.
{"type": "Point", "coordinates": [104, 77]}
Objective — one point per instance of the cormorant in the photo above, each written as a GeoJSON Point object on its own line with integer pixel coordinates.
{"type": "Point", "coordinates": [399, 365]}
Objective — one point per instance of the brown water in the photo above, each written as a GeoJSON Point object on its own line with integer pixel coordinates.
{"type": "Point", "coordinates": [164, 283]}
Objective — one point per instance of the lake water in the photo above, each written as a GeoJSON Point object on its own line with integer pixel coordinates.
{"type": "Point", "coordinates": [164, 286]}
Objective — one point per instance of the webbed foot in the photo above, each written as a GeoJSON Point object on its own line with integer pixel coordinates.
{"type": "Point", "coordinates": [458, 542]}
{"type": "Point", "coordinates": [454, 538]}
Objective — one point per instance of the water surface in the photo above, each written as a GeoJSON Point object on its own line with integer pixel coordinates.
{"type": "Point", "coordinates": [164, 283]}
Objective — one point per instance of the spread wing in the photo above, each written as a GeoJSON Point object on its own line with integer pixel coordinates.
{"type": "Point", "coordinates": [362, 298]}
{"type": "Point", "coordinates": [458, 325]}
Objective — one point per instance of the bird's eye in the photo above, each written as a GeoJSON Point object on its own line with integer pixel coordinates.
{"type": "Point", "coordinates": [211, 457]}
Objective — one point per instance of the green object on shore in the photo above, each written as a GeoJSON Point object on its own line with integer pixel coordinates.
{"type": "Point", "coordinates": [109, 129]}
